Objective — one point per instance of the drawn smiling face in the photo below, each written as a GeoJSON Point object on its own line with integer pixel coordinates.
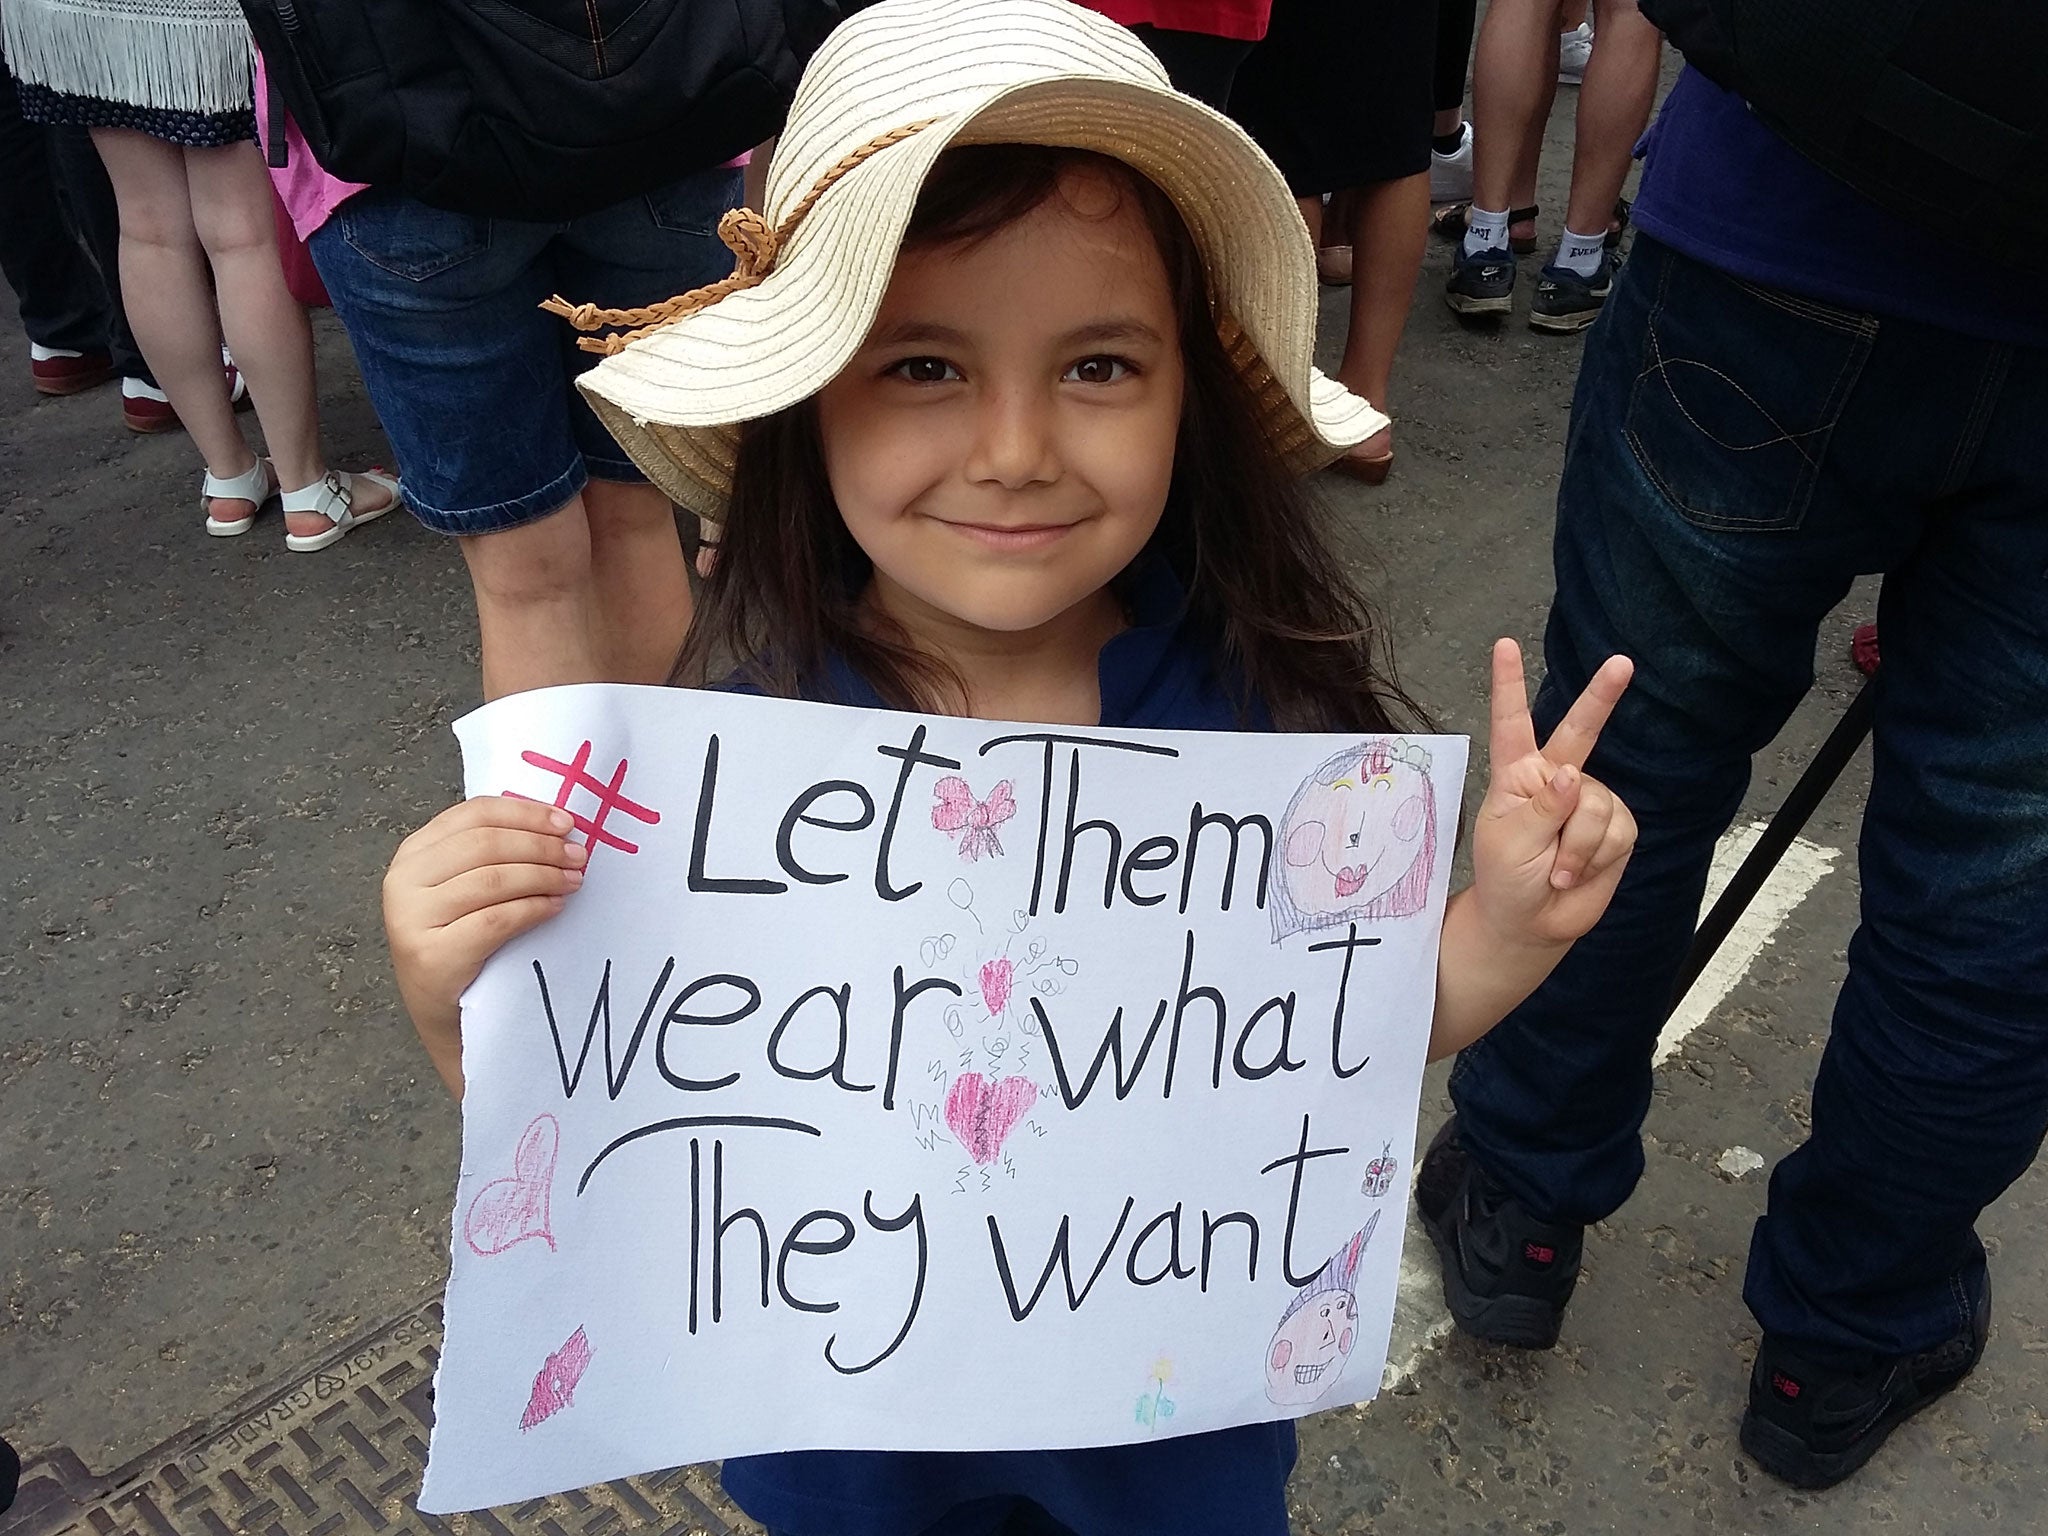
{"type": "Point", "coordinates": [1310, 1348]}
{"type": "Point", "coordinates": [1354, 833]}
{"type": "Point", "coordinates": [1319, 1329]}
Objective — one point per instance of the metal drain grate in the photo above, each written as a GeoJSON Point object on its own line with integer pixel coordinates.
{"type": "Point", "coordinates": [340, 1451]}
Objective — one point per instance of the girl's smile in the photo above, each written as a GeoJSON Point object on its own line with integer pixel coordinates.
{"type": "Point", "coordinates": [1002, 444]}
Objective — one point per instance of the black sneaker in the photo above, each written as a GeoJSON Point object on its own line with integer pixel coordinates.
{"type": "Point", "coordinates": [1507, 1276]}
{"type": "Point", "coordinates": [1482, 283]}
{"type": "Point", "coordinates": [1811, 1425]}
{"type": "Point", "coordinates": [1566, 302]}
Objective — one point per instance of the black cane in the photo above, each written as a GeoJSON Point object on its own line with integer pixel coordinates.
{"type": "Point", "coordinates": [1791, 819]}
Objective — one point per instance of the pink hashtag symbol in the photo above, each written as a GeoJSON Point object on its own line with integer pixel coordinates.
{"type": "Point", "coordinates": [576, 775]}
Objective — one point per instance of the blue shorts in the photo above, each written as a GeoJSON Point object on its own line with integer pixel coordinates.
{"type": "Point", "coordinates": [474, 383]}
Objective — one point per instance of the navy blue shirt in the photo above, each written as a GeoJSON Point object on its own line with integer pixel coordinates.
{"type": "Point", "coordinates": [1160, 674]}
{"type": "Point", "coordinates": [1724, 189]}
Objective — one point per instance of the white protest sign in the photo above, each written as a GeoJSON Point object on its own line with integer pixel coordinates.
{"type": "Point", "coordinates": [903, 1082]}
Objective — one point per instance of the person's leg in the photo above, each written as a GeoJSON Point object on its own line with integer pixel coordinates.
{"type": "Point", "coordinates": [638, 572]}
{"type": "Point", "coordinates": [63, 307]}
{"type": "Point", "coordinates": [535, 603]}
{"type": "Point", "coordinates": [1614, 108]}
{"type": "Point", "coordinates": [82, 179]}
{"type": "Point", "coordinates": [1731, 465]}
{"type": "Point", "coordinates": [1456, 21]}
{"type": "Point", "coordinates": [465, 371]}
{"type": "Point", "coordinates": [1513, 79]}
{"type": "Point", "coordinates": [639, 252]}
{"type": "Point", "coordinates": [1389, 231]}
{"type": "Point", "coordinates": [266, 328]}
{"type": "Point", "coordinates": [170, 297]}
{"type": "Point", "coordinates": [1932, 1095]}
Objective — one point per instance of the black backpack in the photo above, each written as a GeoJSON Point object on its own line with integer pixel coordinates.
{"type": "Point", "coordinates": [533, 109]}
{"type": "Point", "coordinates": [1936, 110]}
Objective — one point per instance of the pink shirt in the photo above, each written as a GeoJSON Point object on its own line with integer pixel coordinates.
{"type": "Point", "coordinates": [308, 193]}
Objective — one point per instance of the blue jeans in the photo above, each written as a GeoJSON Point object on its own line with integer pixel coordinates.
{"type": "Point", "coordinates": [1736, 457]}
{"type": "Point", "coordinates": [474, 383]}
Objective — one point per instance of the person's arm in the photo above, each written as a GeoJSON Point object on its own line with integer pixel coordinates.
{"type": "Point", "coordinates": [478, 874]}
{"type": "Point", "coordinates": [1548, 848]}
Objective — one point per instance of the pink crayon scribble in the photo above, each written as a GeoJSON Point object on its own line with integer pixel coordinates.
{"type": "Point", "coordinates": [575, 776]}
{"type": "Point", "coordinates": [957, 813]}
{"type": "Point", "coordinates": [996, 978]}
{"type": "Point", "coordinates": [983, 1113]}
{"type": "Point", "coordinates": [508, 1211]}
{"type": "Point", "coordinates": [554, 1386]}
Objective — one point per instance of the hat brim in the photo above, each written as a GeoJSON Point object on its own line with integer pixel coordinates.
{"type": "Point", "coordinates": [674, 399]}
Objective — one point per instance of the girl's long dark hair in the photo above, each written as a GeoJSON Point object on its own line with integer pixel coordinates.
{"type": "Point", "coordinates": [1239, 528]}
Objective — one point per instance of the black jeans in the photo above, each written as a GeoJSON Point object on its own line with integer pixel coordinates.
{"type": "Point", "coordinates": [56, 206]}
{"type": "Point", "coordinates": [1737, 457]}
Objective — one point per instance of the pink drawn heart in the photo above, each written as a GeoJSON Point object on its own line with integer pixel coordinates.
{"type": "Point", "coordinates": [982, 1113]}
{"type": "Point", "coordinates": [995, 984]}
{"type": "Point", "coordinates": [508, 1211]}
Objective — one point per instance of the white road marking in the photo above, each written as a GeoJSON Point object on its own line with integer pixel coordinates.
{"type": "Point", "coordinates": [1420, 1320]}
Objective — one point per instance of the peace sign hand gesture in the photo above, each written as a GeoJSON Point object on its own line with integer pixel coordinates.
{"type": "Point", "coordinates": [1550, 843]}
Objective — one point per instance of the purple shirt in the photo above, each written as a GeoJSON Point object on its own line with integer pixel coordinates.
{"type": "Point", "coordinates": [1725, 190]}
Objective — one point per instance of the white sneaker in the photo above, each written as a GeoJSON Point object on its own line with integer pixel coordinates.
{"type": "Point", "coordinates": [1574, 49]}
{"type": "Point", "coordinates": [1450, 176]}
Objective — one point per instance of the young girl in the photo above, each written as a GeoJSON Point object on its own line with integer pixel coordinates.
{"type": "Point", "coordinates": [1003, 457]}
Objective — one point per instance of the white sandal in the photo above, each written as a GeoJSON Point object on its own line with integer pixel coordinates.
{"type": "Point", "coordinates": [256, 486]}
{"type": "Point", "coordinates": [334, 499]}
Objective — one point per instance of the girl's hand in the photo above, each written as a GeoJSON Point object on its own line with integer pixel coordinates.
{"type": "Point", "coordinates": [1550, 843]}
{"type": "Point", "coordinates": [478, 874]}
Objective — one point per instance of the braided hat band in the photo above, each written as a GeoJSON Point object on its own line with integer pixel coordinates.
{"type": "Point", "coordinates": [746, 234]}
{"type": "Point", "coordinates": [914, 78]}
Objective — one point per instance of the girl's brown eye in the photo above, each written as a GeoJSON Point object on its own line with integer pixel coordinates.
{"type": "Point", "coordinates": [924, 370]}
{"type": "Point", "coordinates": [1099, 370]}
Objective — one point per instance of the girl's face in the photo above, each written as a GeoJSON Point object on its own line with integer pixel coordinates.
{"type": "Point", "coordinates": [1002, 443]}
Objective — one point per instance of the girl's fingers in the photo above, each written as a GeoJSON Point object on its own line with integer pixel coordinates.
{"type": "Point", "coordinates": [477, 847]}
{"type": "Point", "coordinates": [487, 931]}
{"type": "Point", "coordinates": [1513, 735]}
{"type": "Point", "coordinates": [1580, 841]}
{"type": "Point", "coordinates": [507, 811]}
{"type": "Point", "coordinates": [1573, 740]}
{"type": "Point", "coordinates": [1617, 845]}
{"type": "Point", "coordinates": [477, 890]}
{"type": "Point", "coordinates": [1530, 830]}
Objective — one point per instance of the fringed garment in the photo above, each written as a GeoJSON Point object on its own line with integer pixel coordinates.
{"type": "Point", "coordinates": [178, 69]}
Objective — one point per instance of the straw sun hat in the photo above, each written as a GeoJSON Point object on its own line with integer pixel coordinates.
{"type": "Point", "coordinates": [890, 90]}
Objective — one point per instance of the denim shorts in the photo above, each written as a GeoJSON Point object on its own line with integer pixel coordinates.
{"type": "Point", "coordinates": [474, 383]}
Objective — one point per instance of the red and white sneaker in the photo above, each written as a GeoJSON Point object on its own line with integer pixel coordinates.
{"type": "Point", "coordinates": [57, 372]}
{"type": "Point", "coordinates": [146, 408]}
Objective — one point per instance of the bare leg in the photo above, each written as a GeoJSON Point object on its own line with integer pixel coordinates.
{"type": "Point", "coordinates": [1389, 228]}
{"type": "Point", "coordinates": [1614, 107]}
{"type": "Point", "coordinates": [266, 327]}
{"type": "Point", "coordinates": [1522, 192]}
{"type": "Point", "coordinates": [641, 583]}
{"type": "Point", "coordinates": [169, 298]}
{"type": "Point", "coordinates": [535, 603]}
{"type": "Point", "coordinates": [1514, 75]}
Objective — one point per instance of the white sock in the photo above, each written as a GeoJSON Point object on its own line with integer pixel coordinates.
{"type": "Point", "coordinates": [1581, 253]}
{"type": "Point", "coordinates": [1485, 230]}
{"type": "Point", "coordinates": [135, 389]}
{"type": "Point", "coordinates": [42, 354]}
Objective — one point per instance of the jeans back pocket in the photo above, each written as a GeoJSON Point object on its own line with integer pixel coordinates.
{"type": "Point", "coordinates": [410, 239]}
{"type": "Point", "coordinates": [1738, 392]}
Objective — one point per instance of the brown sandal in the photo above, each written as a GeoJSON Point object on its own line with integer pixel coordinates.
{"type": "Point", "coordinates": [1372, 471]}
